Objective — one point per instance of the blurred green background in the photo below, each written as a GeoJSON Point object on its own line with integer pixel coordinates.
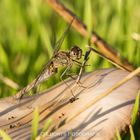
{"type": "Point", "coordinates": [28, 29]}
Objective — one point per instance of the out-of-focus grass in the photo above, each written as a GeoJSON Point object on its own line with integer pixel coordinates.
{"type": "Point", "coordinates": [35, 123]}
{"type": "Point", "coordinates": [27, 30]}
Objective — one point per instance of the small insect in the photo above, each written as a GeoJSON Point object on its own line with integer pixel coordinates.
{"type": "Point", "coordinates": [59, 59]}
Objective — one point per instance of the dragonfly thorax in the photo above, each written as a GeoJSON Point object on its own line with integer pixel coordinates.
{"type": "Point", "coordinates": [75, 53]}
{"type": "Point", "coordinates": [61, 59]}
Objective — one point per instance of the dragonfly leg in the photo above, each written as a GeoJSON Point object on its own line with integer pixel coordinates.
{"type": "Point", "coordinates": [71, 75]}
{"type": "Point", "coordinates": [80, 84]}
{"type": "Point", "coordinates": [61, 77]}
{"type": "Point", "coordinates": [82, 68]}
{"type": "Point", "coordinates": [74, 78]}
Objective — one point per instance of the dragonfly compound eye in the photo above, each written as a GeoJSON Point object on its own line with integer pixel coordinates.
{"type": "Point", "coordinates": [75, 52]}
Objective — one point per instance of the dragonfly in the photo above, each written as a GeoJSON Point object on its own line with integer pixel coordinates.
{"type": "Point", "coordinates": [59, 59]}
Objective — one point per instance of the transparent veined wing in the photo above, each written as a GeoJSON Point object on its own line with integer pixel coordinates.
{"type": "Point", "coordinates": [61, 40]}
{"type": "Point", "coordinates": [45, 73]}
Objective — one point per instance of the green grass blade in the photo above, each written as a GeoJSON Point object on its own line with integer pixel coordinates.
{"type": "Point", "coordinates": [3, 57]}
{"type": "Point", "coordinates": [44, 132]}
{"type": "Point", "coordinates": [135, 109]}
{"type": "Point", "coordinates": [88, 16]}
{"type": "Point", "coordinates": [132, 137]}
{"type": "Point", "coordinates": [118, 136]}
{"type": "Point", "coordinates": [4, 135]}
{"type": "Point", "coordinates": [46, 125]}
{"type": "Point", "coordinates": [35, 123]}
{"type": "Point", "coordinates": [71, 134]}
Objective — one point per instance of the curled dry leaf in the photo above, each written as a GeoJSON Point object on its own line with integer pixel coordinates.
{"type": "Point", "coordinates": [99, 121]}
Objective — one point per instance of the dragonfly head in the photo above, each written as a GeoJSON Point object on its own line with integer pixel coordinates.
{"type": "Point", "coordinates": [75, 52]}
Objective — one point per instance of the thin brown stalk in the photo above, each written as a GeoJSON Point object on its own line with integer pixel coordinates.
{"type": "Point", "coordinates": [9, 82]}
{"type": "Point", "coordinates": [105, 57]}
{"type": "Point", "coordinates": [103, 46]}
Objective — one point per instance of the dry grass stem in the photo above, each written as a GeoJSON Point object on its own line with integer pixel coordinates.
{"type": "Point", "coordinates": [9, 82]}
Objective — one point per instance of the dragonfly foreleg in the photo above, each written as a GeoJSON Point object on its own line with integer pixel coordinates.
{"type": "Point", "coordinates": [82, 66]}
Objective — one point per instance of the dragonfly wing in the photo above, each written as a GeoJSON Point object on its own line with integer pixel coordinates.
{"type": "Point", "coordinates": [45, 73]}
{"type": "Point", "coordinates": [60, 41]}
{"type": "Point", "coordinates": [58, 44]}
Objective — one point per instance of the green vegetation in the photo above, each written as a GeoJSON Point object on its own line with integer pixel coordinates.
{"type": "Point", "coordinates": [118, 136]}
{"type": "Point", "coordinates": [35, 123]}
{"type": "Point", "coordinates": [136, 108]}
{"type": "Point", "coordinates": [28, 29]}
{"type": "Point", "coordinates": [132, 137]}
{"type": "Point", "coordinates": [4, 135]}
